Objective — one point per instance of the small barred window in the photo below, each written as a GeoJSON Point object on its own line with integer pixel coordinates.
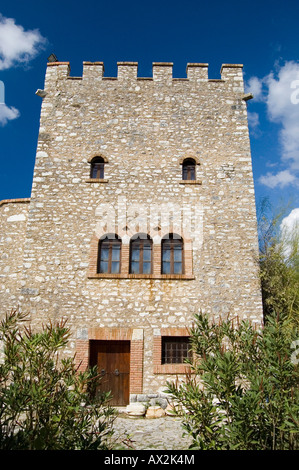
{"type": "Point", "coordinates": [175, 349]}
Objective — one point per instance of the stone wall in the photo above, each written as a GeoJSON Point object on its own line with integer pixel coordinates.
{"type": "Point", "coordinates": [13, 220]}
{"type": "Point", "coordinates": [143, 128]}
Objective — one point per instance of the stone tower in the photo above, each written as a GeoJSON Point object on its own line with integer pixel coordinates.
{"type": "Point", "coordinates": [142, 214]}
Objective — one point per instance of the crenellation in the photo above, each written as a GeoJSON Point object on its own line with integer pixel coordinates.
{"type": "Point", "coordinates": [197, 72]}
{"type": "Point", "coordinates": [56, 71]}
{"type": "Point", "coordinates": [233, 74]}
{"type": "Point", "coordinates": [93, 71]}
{"type": "Point", "coordinates": [162, 72]}
{"type": "Point", "coordinates": [228, 70]}
{"type": "Point", "coordinates": [127, 71]}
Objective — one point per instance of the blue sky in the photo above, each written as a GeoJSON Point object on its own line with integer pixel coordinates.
{"type": "Point", "coordinates": [263, 35]}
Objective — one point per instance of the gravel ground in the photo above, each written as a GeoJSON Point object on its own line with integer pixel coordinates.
{"type": "Point", "coordinates": [146, 434]}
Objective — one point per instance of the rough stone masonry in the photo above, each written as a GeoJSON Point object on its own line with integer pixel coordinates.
{"type": "Point", "coordinates": [142, 130]}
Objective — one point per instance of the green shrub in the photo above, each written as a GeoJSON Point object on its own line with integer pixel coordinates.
{"type": "Point", "coordinates": [45, 403]}
{"type": "Point", "coordinates": [243, 390]}
{"type": "Point", "coordinates": [278, 263]}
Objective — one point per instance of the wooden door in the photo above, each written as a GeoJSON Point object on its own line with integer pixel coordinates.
{"type": "Point", "coordinates": [113, 361]}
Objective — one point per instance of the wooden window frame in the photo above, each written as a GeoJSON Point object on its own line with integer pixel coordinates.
{"type": "Point", "coordinates": [156, 261]}
{"type": "Point", "coordinates": [141, 241]}
{"type": "Point", "coordinates": [189, 170]}
{"type": "Point", "coordinates": [99, 164]}
{"type": "Point", "coordinates": [112, 242]}
{"type": "Point", "coordinates": [169, 238]}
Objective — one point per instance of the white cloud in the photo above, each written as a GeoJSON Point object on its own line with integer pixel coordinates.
{"type": "Point", "coordinates": [291, 222]}
{"type": "Point", "coordinates": [279, 99]}
{"type": "Point", "coordinates": [17, 46]}
{"type": "Point", "coordinates": [283, 110]}
{"type": "Point", "coordinates": [7, 114]}
{"type": "Point", "coordinates": [281, 179]}
{"type": "Point", "coordinates": [253, 119]}
{"type": "Point", "coordinates": [255, 86]}
{"type": "Point", "coordinates": [289, 228]}
{"type": "Point", "coordinates": [253, 122]}
{"type": "Point", "coordinates": [280, 91]}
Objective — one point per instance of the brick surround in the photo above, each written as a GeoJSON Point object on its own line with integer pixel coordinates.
{"type": "Point", "coordinates": [157, 352]}
{"type": "Point", "coordinates": [135, 336]}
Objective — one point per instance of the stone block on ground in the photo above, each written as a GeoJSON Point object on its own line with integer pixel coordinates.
{"type": "Point", "coordinates": [155, 412]}
{"type": "Point", "coordinates": [135, 409]}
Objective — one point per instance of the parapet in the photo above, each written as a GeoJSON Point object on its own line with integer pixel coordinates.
{"type": "Point", "coordinates": [14, 201]}
{"type": "Point", "coordinates": [231, 71]}
{"type": "Point", "coordinates": [162, 72]}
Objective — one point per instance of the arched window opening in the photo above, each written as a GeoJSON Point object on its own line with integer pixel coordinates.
{"type": "Point", "coordinates": [109, 255]}
{"type": "Point", "coordinates": [97, 168]}
{"type": "Point", "coordinates": [172, 254]}
{"type": "Point", "coordinates": [189, 169]}
{"type": "Point", "coordinates": [141, 254]}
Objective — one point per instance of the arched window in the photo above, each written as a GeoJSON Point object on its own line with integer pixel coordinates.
{"type": "Point", "coordinates": [141, 254]}
{"type": "Point", "coordinates": [172, 254]}
{"type": "Point", "coordinates": [189, 169]}
{"type": "Point", "coordinates": [109, 254]}
{"type": "Point", "coordinates": [97, 168]}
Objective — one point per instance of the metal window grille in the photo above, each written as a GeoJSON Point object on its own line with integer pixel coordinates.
{"type": "Point", "coordinates": [175, 350]}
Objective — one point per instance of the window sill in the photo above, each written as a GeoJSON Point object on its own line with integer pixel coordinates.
{"type": "Point", "coordinates": [142, 276]}
{"type": "Point", "coordinates": [191, 182]}
{"type": "Point", "coordinates": [172, 369]}
{"type": "Point", "coordinates": [96, 180]}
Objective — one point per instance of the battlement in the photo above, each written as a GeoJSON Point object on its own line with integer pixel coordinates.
{"type": "Point", "coordinates": [161, 72]}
